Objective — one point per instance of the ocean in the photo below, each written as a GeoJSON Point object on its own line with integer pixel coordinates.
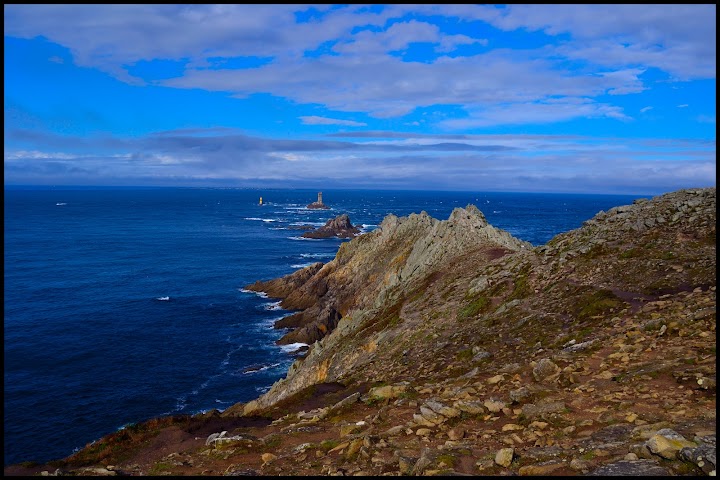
{"type": "Point", "coordinates": [123, 304]}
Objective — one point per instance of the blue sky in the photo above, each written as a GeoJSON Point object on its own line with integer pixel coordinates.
{"type": "Point", "coordinates": [537, 98]}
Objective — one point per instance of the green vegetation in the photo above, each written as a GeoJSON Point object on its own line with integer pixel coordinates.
{"type": "Point", "coordinates": [522, 286]}
{"type": "Point", "coordinates": [464, 354]}
{"type": "Point", "coordinates": [476, 306]}
{"type": "Point", "coordinates": [160, 468]}
{"type": "Point", "coordinates": [631, 253]}
{"type": "Point", "coordinates": [597, 303]}
{"type": "Point", "coordinates": [327, 445]}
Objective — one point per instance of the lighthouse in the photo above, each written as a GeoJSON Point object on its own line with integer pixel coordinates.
{"type": "Point", "coordinates": [319, 198]}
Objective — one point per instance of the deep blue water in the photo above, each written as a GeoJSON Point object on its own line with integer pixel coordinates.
{"type": "Point", "coordinates": [89, 345]}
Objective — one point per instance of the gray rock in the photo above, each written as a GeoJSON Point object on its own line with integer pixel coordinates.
{"type": "Point", "coordinates": [638, 468]}
{"type": "Point", "coordinates": [546, 371]}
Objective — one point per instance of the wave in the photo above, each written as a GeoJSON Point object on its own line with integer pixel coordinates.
{"type": "Point", "coordinates": [61, 203]}
{"type": "Point", "coordinates": [163, 299]}
{"type": "Point", "coordinates": [304, 238]}
{"type": "Point", "coordinates": [258, 368]}
{"type": "Point", "coordinates": [259, 294]}
{"type": "Point", "coordinates": [292, 347]}
{"type": "Point", "coordinates": [317, 255]}
{"type": "Point", "coordinates": [315, 224]}
{"type": "Point", "coordinates": [302, 265]}
{"type": "Point", "coordinates": [272, 305]}
{"type": "Point", "coordinates": [258, 219]}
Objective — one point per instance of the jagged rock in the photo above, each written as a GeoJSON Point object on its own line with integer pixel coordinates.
{"type": "Point", "coordinates": [546, 371]}
{"type": "Point", "coordinates": [387, 391]}
{"type": "Point", "coordinates": [494, 406]}
{"type": "Point", "coordinates": [520, 395]}
{"type": "Point", "coordinates": [539, 470]}
{"type": "Point", "coordinates": [318, 205]}
{"type": "Point", "coordinates": [339, 227]}
{"type": "Point", "coordinates": [532, 411]}
{"type": "Point", "coordinates": [504, 457]}
{"type": "Point", "coordinates": [667, 443]}
{"type": "Point", "coordinates": [704, 455]}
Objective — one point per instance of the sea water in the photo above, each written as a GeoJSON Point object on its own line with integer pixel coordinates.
{"type": "Point", "coordinates": [123, 304]}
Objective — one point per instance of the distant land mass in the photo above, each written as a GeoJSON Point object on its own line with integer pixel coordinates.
{"type": "Point", "coordinates": [450, 347]}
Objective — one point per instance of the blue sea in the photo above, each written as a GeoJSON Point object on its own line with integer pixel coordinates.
{"type": "Point", "coordinates": [123, 304]}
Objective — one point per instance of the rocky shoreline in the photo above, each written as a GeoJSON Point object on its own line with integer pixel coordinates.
{"type": "Point", "coordinates": [448, 347]}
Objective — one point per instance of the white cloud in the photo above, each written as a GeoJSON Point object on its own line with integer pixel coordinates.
{"type": "Point", "coordinates": [536, 113]}
{"type": "Point", "coordinates": [314, 120]}
{"type": "Point", "coordinates": [645, 109]}
{"type": "Point", "coordinates": [684, 105]}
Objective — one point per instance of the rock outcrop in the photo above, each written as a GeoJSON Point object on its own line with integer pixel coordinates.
{"type": "Point", "coordinates": [375, 271]}
{"type": "Point", "coordinates": [452, 348]}
{"type": "Point", "coordinates": [339, 227]}
{"type": "Point", "coordinates": [318, 205]}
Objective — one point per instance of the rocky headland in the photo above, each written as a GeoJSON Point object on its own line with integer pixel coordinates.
{"type": "Point", "coordinates": [449, 347]}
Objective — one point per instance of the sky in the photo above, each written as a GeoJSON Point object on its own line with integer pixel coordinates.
{"type": "Point", "coordinates": [616, 99]}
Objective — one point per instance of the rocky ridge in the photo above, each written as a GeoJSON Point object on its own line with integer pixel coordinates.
{"type": "Point", "coordinates": [451, 348]}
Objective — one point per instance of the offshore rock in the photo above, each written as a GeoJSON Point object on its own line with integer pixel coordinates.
{"type": "Point", "coordinates": [319, 205]}
{"type": "Point", "coordinates": [339, 227]}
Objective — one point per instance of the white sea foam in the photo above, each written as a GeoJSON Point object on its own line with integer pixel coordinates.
{"type": "Point", "coordinates": [61, 203]}
{"type": "Point", "coordinates": [316, 224]}
{"type": "Point", "coordinates": [260, 368]}
{"type": "Point", "coordinates": [304, 238]}
{"type": "Point", "coordinates": [272, 305]}
{"type": "Point", "coordinates": [254, 218]}
{"type": "Point", "coordinates": [292, 347]}
{"type": "Point", "coordinates": [302, 265]}
{"type": "Point", "coordinates": [317, 255]}
{"type": "Point", "coordinates": [259, 294]}
{"type": "Point", "coordinates": [497, 211]}
{"type": "Point", "coordinates": [163, 299]}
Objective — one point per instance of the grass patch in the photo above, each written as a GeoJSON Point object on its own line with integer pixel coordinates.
{"type": "Point", "coordinates": [160, 468]}
{"type": "Point", "coordinates": [631, 253]}
{"type": "Point", "coordinates": [475, 307]}
{"type": "Point", "coordinates": [597, 303]}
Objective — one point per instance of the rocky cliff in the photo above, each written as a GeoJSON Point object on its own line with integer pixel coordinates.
{"type": "Point", "coordinates": [450, 347]}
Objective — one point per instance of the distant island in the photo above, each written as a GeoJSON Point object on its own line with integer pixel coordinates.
{"type": "Point", "coordinates": [319, 205]}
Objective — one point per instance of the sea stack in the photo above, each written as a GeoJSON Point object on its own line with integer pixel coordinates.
{"type": "Point", "coordinates": [339, 226]}
{"type": "Point", "coordinates": [319, 204]}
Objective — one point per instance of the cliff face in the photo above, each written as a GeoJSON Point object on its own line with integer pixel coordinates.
{"type": "Point", "coordinates": [441, 347]}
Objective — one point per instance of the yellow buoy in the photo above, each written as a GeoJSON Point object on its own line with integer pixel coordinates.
{"type": "Point", "coordinates": [260, 201]}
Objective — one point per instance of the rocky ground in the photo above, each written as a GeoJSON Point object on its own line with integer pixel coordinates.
{"type": "Point", "coordinates": [591, 355]}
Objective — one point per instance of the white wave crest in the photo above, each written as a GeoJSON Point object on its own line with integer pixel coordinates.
{"type": "Point", "coordinates": [292, 347]}
{"type": "Point", "coordinates": [259, 294]}
{"type": "Point", "coordinates": [255, 369]}
{"type": "Point", "coordinates": [317, 255]}
{"type": "Point", "coordinates": [304, 238]}
{"type": "Point", "coordinates": [272, 305]}
{"type": "Point", "coordinates": [302, 265]}
{"type": "Point", "coordinates": [163, 299]}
